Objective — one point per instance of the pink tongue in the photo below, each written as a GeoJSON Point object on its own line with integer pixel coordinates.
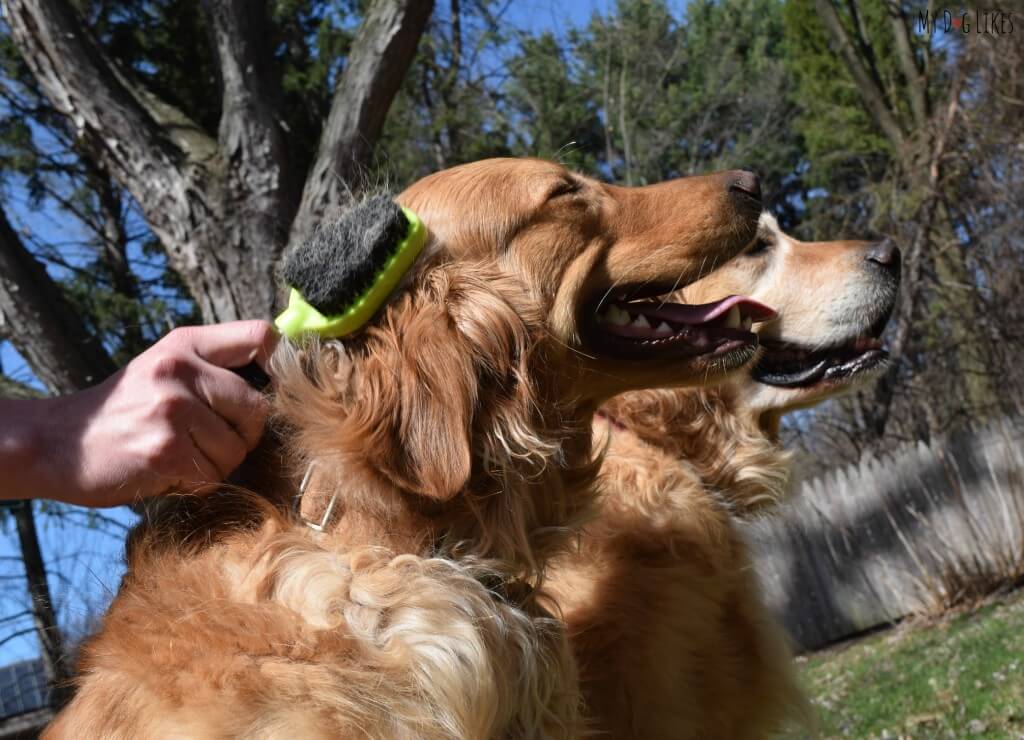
{"type": "Point", "coordinates": [703, 313]}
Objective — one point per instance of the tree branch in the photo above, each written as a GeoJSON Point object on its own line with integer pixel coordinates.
{"type": "Point", "coordinates": [250, 134]}
{"type": "Point", "coordinates": [15, 635]}
{"type": "Point", "coordinates": [11, 388]}
{"type": "Point", "coordinates": [169, 165]}
{"type": "Point", "coordinates": [114, 240]}
{"type": "Point", "coordinates": [870, 91]}
{"type": "Point", "coordinates": [917, 88]}
{"type": "Point", "coordinates": [43, 614]}
{"type": "Point", "coordinates": [142, 141]}
{"type": "Point", "coordinates": [44, 328]}
{"type": "Point", "coordinates": [885, 388]}
{"type": "Point", "coordinates": [376, 65]}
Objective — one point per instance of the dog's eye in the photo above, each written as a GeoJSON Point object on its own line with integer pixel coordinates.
{"type": "Point", "coordinates": [759, 246]}
{"type": "Point", "coordinates": [566, 187]}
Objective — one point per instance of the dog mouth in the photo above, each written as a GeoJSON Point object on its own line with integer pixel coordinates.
{"type": "Point", "coordinates": [793, 365]}
{"type": "Point", "coordinates": [630, 327]}
{"type": "Point", "coordinates": [788, 365]}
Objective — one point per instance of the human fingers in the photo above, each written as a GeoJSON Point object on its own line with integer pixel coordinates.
{"type": "Point", "coordinates": [217, 442]}
{"type": "Point", "coordinates": [234, 401]}
{"type": "Point", "coordinates": [172, 456]}
{"type": "Point", "coordinates": [232, 344]}
{"type": "Point", "coordinates": [196, 468]}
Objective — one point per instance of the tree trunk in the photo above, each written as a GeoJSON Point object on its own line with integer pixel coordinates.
{"type": "Point", "coordinates": [919, 148]}
{"type": "Point", "coordinates": [55, 660]}
{"type": "Point", "coordinates": [40, 323]}
{"type": "Point", "coordinates": [220, 208]}
{"type": "Point", "coordinates": [928, 181]}
{"type": "Point", "coordinates": [868, 84]}
{"type": "Point", "coordinates": [377, 64]}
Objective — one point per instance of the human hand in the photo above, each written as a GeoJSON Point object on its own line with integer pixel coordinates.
{"type": "Point", "coordinates": [174, 417]}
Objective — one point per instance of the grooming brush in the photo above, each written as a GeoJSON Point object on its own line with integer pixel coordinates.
{"type": "Point", "coordinates": [342, 275]}
{"type": "Point", "coordinates": [339, 279]}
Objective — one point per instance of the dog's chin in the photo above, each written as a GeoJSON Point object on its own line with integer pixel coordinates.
{"type": "Point", "coordinates": [713, 367]}
{"type": "Point", "coordinates": [764, 397]}
{"type": "Point", "coordinates": [808, 370]}
{"type": "Point", "coordinates": [820, 371]}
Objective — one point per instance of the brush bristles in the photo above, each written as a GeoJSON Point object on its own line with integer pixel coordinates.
{"type": "Point", "coordinates": [339, 262]}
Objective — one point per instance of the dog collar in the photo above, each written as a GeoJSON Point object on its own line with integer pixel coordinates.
{"type": "Point", "coordinates": [308, 508]}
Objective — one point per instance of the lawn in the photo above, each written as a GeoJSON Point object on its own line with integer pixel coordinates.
{"type": "Point", "coordinates": [958, 677]}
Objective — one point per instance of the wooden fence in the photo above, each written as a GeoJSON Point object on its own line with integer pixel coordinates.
{"type": "Point", "coordinates": [912, 532]}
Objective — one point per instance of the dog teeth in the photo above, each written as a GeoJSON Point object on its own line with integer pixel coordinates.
{"type": "Point", "coordinates": [640, 322]}
{"type": "Point", "coordinates": [663, 329]}
{"type": "Point", "coordinates": [732, 319]}
{"type": "Point", "coordinates": [617, 316]}
{"type": "Point", "coordinates": [747, 323]}
{"type": "Point", "coordinates": [614, 316]}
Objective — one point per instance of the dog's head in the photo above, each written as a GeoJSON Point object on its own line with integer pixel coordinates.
{"type": "Point", "coordinates": [479, 376]}
{"type": "Point", "coordinates": [833, 301]}
{"type": "Point", "coordinates": [595, 259]}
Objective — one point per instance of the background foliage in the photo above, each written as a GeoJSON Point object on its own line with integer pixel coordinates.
{"type": "Point", "coordinates": [907, 134]}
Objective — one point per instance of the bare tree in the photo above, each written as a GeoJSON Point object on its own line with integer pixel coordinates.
{"type": "Point", "coordinates": [942, 178]}
{"type": "Point", "coordinates": [919, 127]}
{"type": "Point", "coordinates": [221, 207]}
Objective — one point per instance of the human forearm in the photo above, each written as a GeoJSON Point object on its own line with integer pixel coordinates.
{"type": "Point", "coordinates": [23, 443]}
{"type": "Point", "coordinates": [174, 417]}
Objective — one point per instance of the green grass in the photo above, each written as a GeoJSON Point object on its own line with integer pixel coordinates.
{"type": "Point", "coordinates": [959, 677]}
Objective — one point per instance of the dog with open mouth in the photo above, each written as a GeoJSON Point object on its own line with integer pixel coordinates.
{"type": "Point", "coordinates": [834, 301]}
{"type": "Point", "coordinates": [662, 606]}
{"type": "Point", "coordinates": [452, 439]}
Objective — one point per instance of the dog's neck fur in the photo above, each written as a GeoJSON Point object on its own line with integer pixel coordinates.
{"type": "Point", "coordinates": [530, 473]}
{"type": "Point", "coordinates": [372, 511]}
{"type": "Point", "coordinates": [369, 511]}
{"type": "Point", "coordinates": [729, 447]}
{"type": "Point", "coordinates": [664, 571]}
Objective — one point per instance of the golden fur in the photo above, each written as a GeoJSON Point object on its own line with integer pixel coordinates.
{"type": "Point", "coordinates": [455, 432]}
{"type": "Point", "coordinates": [661, 602]}
{"type": "Point", "coordinates": [660, 598]}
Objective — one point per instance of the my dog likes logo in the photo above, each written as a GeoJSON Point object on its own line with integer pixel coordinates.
{"type": "Point", "coordinates": [989, 22]}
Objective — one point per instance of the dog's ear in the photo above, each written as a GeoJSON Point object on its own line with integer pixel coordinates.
{"type": "Point", "coordinates": [417, 389]}
{"type": "Point", "coordinates": [450, 342]}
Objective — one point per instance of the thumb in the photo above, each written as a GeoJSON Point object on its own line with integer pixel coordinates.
{"type": "Point", "coordinates": [234, 344]}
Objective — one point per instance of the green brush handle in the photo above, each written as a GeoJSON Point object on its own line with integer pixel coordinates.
{"type": "Point", "coordinates": [300, 317]}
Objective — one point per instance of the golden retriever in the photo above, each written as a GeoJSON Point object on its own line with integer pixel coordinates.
{"type": "Point", "coordinates": [448, 446]}
{"type": "Point", "coordinates": [661, 603]}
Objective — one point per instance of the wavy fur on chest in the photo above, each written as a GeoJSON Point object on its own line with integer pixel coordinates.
{"type": "Point", "coordinates": [660, 600]}
{"type": "Point", "coordinates": [274, 634]}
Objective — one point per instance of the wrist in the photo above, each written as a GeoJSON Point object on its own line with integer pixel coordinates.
{"type": "Point", "coordinates": [21, 448]}
{"type": "Point", "coordinates": [36, 448]}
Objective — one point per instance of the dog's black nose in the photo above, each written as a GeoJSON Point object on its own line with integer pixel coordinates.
{"type": "Point", "coordinates": [885, 254]}
{"type": "Point", "coordinates": [747, 184]}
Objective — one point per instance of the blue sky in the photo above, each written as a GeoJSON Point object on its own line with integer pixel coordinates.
{"type": "Point", "coordinates": [89, 560]}
{"type": "Point", "coordinates": [537, 15]}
